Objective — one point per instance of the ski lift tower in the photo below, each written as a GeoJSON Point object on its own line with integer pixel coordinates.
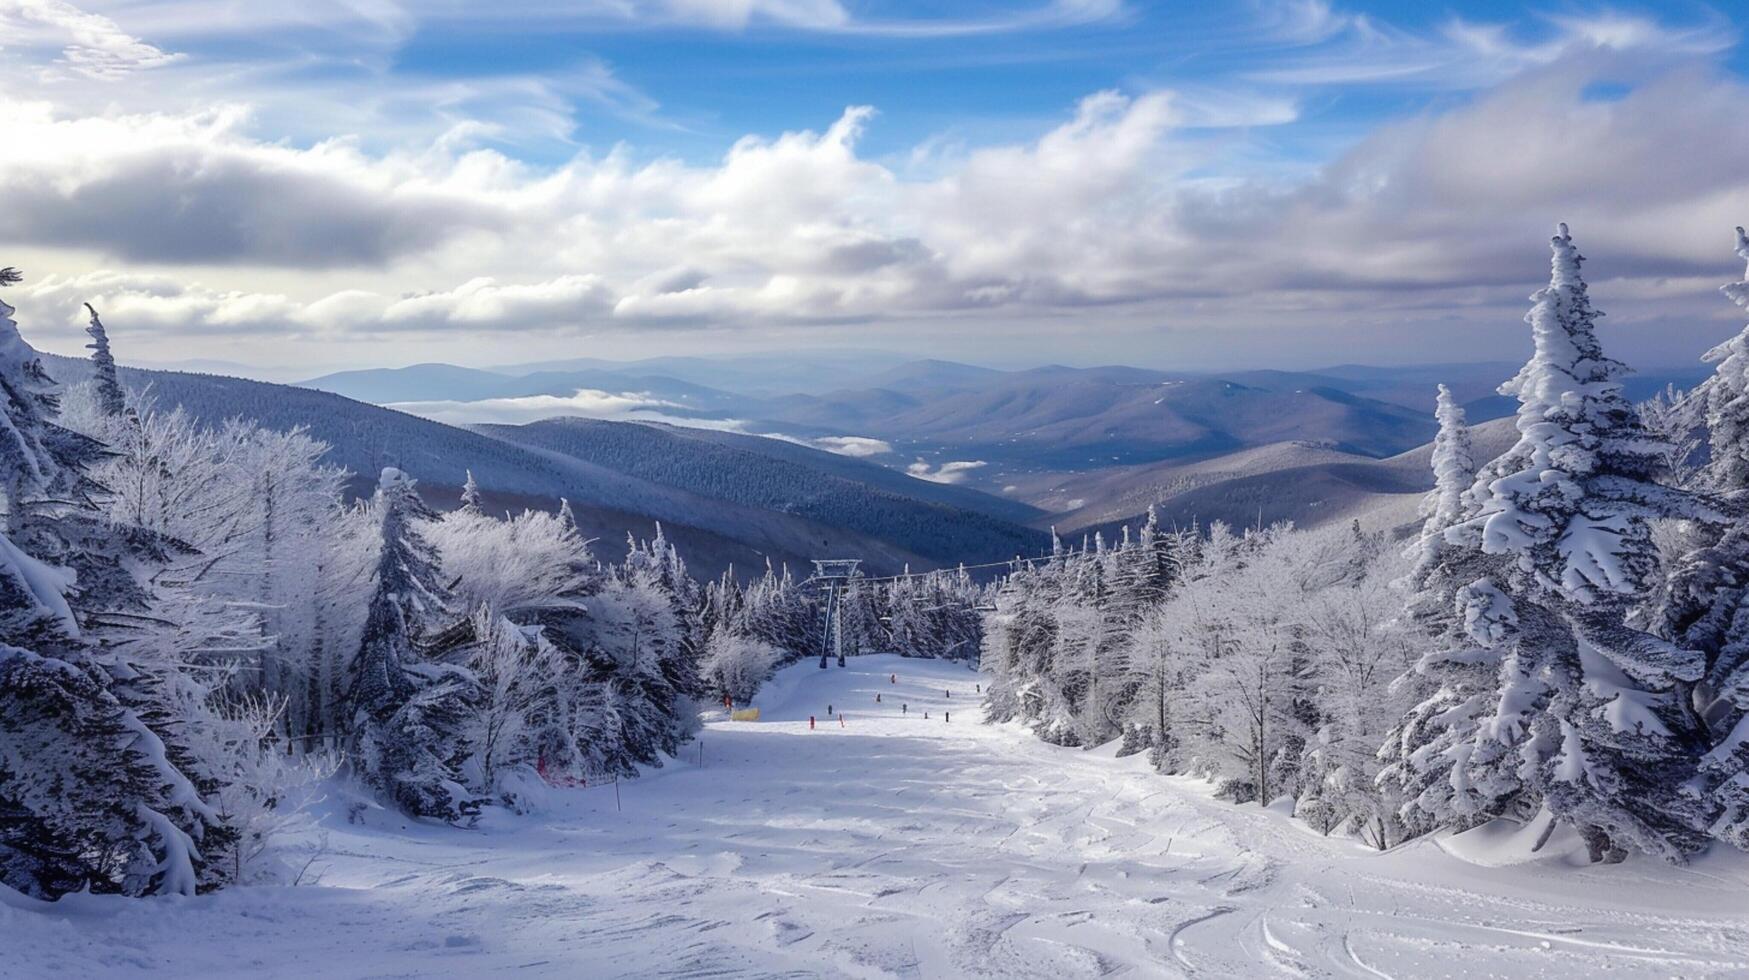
{"type": "Point", "coordinates": [832, 575]}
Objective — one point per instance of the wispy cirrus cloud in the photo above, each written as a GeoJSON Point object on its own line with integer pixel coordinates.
{"type": "Point", "coordinates": [813, 16]}
{"type": "Point", "coordinates": [387, 23]}
{"type": "Point", "coordinates": [88, 44]}
{"type": "Point", "coordinates": [1337, 49]}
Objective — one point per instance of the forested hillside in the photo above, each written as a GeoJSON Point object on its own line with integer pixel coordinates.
{"type": "Point", "coordinates": [606, 494]}
{"type": "Point", "coordinates": [753, 471]}
{"type": "Point", "coordinates": [1560, 645]}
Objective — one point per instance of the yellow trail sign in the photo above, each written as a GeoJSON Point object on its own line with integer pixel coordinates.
{"type": "Point", "coordinates": [744, 714]}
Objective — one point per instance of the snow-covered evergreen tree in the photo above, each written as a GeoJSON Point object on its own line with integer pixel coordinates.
{"type": "Point", "coordinates": [110, 396]}
{"type": "Point", "coordinates": [1706, 603]}
{"type": "Point", "coordinates": [1018, 636]}
{"type": "Point", "coordinates": [409, 714]}
{"type": "Point", "coordinates": [90, 796]}
{"type": "Point", "coordinates": [1428, 755]}
{"type": "Point", "coordinates": [639, 657]}
{"type": "Point", "coordinates": [866, 616]}
{"type": "Point", "coordinates": [1149, 566]}
{"type": "Point", "coordinates": [471, 495]}
{"type": "Point", "coordinates": [1592, 706]}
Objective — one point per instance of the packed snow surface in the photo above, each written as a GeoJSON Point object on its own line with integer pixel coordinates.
{"type": "Point", "coordinates": [899, 845]}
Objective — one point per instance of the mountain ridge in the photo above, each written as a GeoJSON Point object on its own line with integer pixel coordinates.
{"type": "Point", "coordinates": [364, 438]}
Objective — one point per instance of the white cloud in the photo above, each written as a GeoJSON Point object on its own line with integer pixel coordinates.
{"type": "Point", "coordinates": [1335, 48]}
{"type": "Point", "coordinates": [208, 19]}
{"type": "Point", "coordinates": [1118, 214]}
{"type": "Point", "coordinates": [196, 189]}
{"type": "Point", "coordinates": [819, 16]}
{"type": "Point", "coordinates": [584, 403]}
{"type": "Point", "coordinates": [157, 304]}
{"type": "Point", "coordinates": [811, 14]}
{"type": "Point", "coordinates": [858, 446]}
{"type": "Point", "coordinates": [483, 303]}
{"type": "Point", "coordinates": [91, 45]}
{"type": "Point", "coordinates": [953, 472]}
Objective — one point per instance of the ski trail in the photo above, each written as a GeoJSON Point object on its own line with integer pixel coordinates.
{"type": "Point", "coordinates": [898, 846]}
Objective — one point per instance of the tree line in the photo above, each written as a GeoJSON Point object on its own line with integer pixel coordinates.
{"type": "Point", "coordinates": [1566, 636]}
{"type": "Point", "coordinates": [199, 631]}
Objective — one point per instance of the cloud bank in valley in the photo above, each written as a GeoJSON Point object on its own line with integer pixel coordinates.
{"type": "Point", "coordinates": [950, 472]}
{"type": "Point", "coordinates": [859, 447]}
{"type": "Point", "coordinates": [584, 403]}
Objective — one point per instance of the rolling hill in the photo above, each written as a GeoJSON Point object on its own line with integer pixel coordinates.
{"type": "Point", "coordinates": [1076, 419]}
{"type": "Point", "coordinates": [1021, 425]}
{"type": "Point", "coordinates": [447, 383]}
{"type": "Point", "coordinates": [942, 523]}
{"type": "Point", "coordinates": [1091, 446]}
{"type": "Point", "coordinates": [1309, 485]}
{"type": "Point", "coordinates": [713, 532]}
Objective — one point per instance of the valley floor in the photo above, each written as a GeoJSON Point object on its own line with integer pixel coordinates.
{"type": "Point", "coordinates": [902, 846]}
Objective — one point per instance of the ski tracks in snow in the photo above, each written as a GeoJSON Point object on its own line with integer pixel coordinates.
{"type": "Point", "coordinates": [896, 846]}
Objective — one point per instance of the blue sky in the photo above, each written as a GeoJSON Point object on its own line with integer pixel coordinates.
{"type": "Point", "coordinates": [1275, 182]}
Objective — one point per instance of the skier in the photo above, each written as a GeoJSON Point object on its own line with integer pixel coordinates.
{"type": "Point", "coordinates": [810, 723]}
{"type": "Point", "coordinates": [925, 716]}
{"type": "Point", "coordinates": [904, 709]}
{"type": "Point", "coordinates": [893, 679]}
{"type": "Point", "coordinates": [947, 716]}
{"type": "Point", "coordinates": [947, 694]}
{"type": "Point", "coordinates": [980, 688]}
{"type": "Point", "coordinates": [877, 699]}
{"type": "Point", "coordinates": [828, 710]}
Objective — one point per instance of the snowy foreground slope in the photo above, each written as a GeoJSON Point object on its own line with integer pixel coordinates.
{"type": "Point", "coordinates": [899, 846]}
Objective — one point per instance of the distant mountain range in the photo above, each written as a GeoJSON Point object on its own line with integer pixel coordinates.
{"type": "Point", "coordinates": [708, 492]}
{"type": "Point", "coordinates": [995, 430]}
{"type": "Point", "coordinates": [1309, 484]}
{"type": "Point", "coordinates": [721, 380]}
{"type": "Point", "coordinates": [942, 523]}
{"type": "Point", "coordinates": [757, 473]}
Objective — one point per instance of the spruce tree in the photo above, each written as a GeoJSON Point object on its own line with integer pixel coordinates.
{"type": "Point", "coordinates": [1706, 603]}
{"type": "Point", "coordinates": [641, 654]}
{"type": "Point", "coordinates": [111, 399]}
{"type": "Point", "coordinates": [1592, 706]}
{"type": "Point", "coordinates": [90, 796]}
{"type": "Point", "coordinates": [1428, 756]}
{"type": "Point", "coordinates": [1154, 567]}
{"type": "Point", "coordinates": [409, 713]}
{"type": "Point", "coordinates": [471, 495]}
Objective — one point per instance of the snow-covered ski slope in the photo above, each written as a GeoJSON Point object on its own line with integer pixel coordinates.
{"type": "Point", "coordinates": [902, 846]}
